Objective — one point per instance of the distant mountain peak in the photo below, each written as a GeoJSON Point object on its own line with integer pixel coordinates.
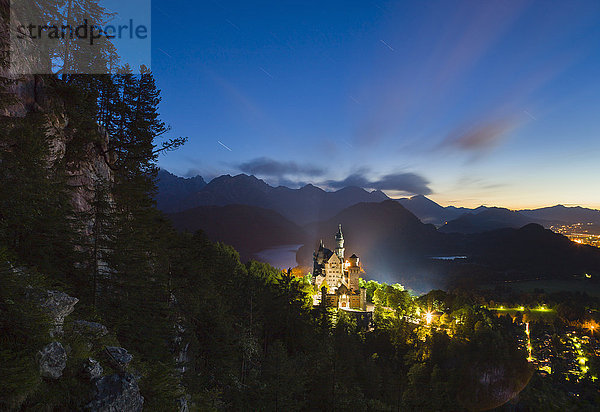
{"type": "Point", "coordinates": [351, 189]}
{"type": "Point", "coordinates": [172, 189]}
{"type": "Point", "coordinates": [309, 188]}
{"type": "Point", "coordinates": [238, 179]}
{"type": "Point", "coordinates": [166, 174]}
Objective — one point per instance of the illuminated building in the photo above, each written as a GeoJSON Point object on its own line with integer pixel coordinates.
{"type": "Point", "coordinates": [339, 276]}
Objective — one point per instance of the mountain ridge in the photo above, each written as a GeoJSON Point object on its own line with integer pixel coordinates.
{"type": "Point", "coordinates": [302, 205]}
{"type": "Point", "coordinates": [311, 203]}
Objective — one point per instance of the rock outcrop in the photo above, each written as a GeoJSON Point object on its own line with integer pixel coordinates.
{"type": "Point", "coordinates": [52, 360]}
{"type": "Point", "coordinates": [119, 356]}
{"type": "Point", "coordinates": [116, 393]}
{"type": "Point", "coordinates": [26, 87]}
{"type": "Point", "coordinates": [93, 369]}
{"type": "Point", "coordinates": [92, 330]}
{"type": "Point", "coordinates": [56, 305]}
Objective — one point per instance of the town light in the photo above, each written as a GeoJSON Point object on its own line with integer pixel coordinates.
{"type": "Point", "coordinates": [590, 325]}
{"type": "Point", "coordinates": [428, 317]}
{"type": "Point", "coordinates": [529, 347]}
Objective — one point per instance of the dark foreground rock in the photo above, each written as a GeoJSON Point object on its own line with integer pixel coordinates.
{"type": "Point", "coordinates": [88, 329]}
{"type": "Point", "coordinates": [119, 356]}
{"type": "Point", "coordinates": [56, 305]}
{"type": "Point", "coordinates": [92, 369]}
{"type": "Point", "coordinates": [52, 360]}
{"type": "Point", "coordinates": [116, 393]}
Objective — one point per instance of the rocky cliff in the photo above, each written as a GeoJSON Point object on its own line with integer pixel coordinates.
{"type": "Point", "coordinates": [79, 356]}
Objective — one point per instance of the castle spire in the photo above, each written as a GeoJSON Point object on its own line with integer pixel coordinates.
{"type": "Point", "coordinates": [339, 240]}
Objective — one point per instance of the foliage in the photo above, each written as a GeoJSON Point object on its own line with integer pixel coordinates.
{"type": "Point", "coordinates": [23, 330]}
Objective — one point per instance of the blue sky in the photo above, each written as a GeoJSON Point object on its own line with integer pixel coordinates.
{"type": "Point", "coordinates": [474, 102]}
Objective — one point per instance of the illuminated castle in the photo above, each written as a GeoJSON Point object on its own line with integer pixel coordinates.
{"type": "Point", "coordinates": [337, 277]}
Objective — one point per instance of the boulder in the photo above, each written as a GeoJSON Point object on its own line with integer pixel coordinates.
{"type": "Point", "coordinates": [56, 305]}
{"type": "Point", "coordinates": [93, 369]}
{"type": "Point", "coordinates": [116, 393]}
{"type": "Point", "coordinates": [92, 330]}
{"type": "Point", "coordinates": [52, 360]}
{"type": "Point", "coordinates": [119, 356]}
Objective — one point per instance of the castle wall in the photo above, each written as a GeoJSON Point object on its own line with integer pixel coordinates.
{"type": "Point", "coordinates": [355, 301]}
{"type": "Point", "coordinates": [334, 271]}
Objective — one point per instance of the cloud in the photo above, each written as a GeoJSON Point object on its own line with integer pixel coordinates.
{"type": "Point", "coordinates": [481, 137]}
{"type": "Point", "coordinates": [477, 183]}
{"type": "Point", "coordinates": [290, 174]}
{"type": "Point", "coordinates": [398, 182]}
{"type": "Point", "coordinates": [264, 166]}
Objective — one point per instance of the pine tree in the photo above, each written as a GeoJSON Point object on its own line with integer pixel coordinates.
{"type": "Point", "coordinates": [100, 238]}
{"type": "Point", "coordinates": [36, 215]}
{"type": "Point", "coordinates": [136, 299]}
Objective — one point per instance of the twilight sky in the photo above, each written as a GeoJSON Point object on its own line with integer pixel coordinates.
{"type": "Point", "coordinates": [472, 102]}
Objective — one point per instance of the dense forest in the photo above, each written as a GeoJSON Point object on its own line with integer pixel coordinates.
{"type": "Point", "coordinates": [205, 330]}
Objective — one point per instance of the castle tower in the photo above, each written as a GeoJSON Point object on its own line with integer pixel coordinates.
{"type": "Point", "coordinates": [339, 240]}
{"type": "Point", "coordinates": [354, 271]}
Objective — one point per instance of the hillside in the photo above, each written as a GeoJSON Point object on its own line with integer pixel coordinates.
{"type": "Point", "coordinates": [393, 244]}
{"type": "Point", "coordinates": [249, 229]}
{"type": "Point", "coordinates": [430, 212]}
{"type": "Point", "coordinates": [533, 250]}
{"type": "Point", "coordinates": [561, 214]}
{"type": "Point", "coordinates": [372, 228]}
{"type": "Point", "coordinates": [396, 246]}
{"type": "Point", "coordinates": [488, 219]}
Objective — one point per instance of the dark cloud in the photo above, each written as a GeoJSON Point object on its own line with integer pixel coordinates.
{"type": "Point", "coordinates": [400, 182]}
{"type": "Point", "coordinates": [405, 182]}
{"type": "Point", "coordinates": [480, 137]}
{"type": "Point", "coordinates": [290, 174]}
{"type": "Point", "coordinates": [355, 179]}
{"type": "Point", "coordinates": [264, 166]}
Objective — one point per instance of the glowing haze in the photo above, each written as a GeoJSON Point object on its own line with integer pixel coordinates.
{"type": "Point", "coordinates": [469, 102]}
